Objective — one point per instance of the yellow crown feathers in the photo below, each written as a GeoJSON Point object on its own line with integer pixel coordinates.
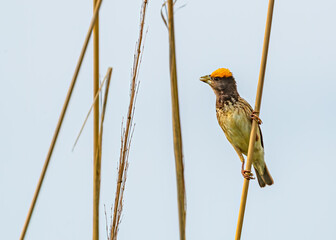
{"type": "Point", "coordinates": [221, 73]}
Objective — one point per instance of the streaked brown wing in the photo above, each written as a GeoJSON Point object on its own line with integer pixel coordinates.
{"type": "Point", "coordinates": [261, 137]}
{"type": "Point", "coordinates": [249, 110]}
{"type": "Point", "coordinates": [246, 105]}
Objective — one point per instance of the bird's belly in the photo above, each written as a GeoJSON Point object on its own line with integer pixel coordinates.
{"type": "Point", "coordinates": [237, 128]}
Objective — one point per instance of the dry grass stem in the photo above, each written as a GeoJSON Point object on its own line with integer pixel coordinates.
{"type": "Point", "coordinates": [179, 165]}
{"type": "Point", "coordinates": [127, 133]}
{"type": "Point", "coordinates": [60, 120]}
{"type": "Point", "coordinates": [164, 16]}
{"type": "Point", "coordinates": [254, 123]}
{"type": "Point", "coordinates": [96, 130]}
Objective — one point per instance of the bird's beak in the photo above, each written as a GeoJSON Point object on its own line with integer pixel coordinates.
{"type": "Point", "coordinates": [206, 79]}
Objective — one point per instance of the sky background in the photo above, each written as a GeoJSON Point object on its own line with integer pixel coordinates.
{"type": "Point", "coordinates": [39, 47]}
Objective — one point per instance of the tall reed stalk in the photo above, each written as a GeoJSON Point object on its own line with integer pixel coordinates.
{"type": "Point", "coordinates": [96, 161]}
{"type": "Point", "coordinates": [179, 165]}
{"type": "Point", "coordinates": [60, 121]}
{"type": "Point", "coordinates": [254, 123]}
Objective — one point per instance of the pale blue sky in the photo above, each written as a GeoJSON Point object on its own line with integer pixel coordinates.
{"type": "Point", "coordinates": [40, 44]}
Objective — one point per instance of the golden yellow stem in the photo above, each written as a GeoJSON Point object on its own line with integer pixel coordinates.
{"type": "Point", "coordinates": [254, 123]}
{"type": "Point", "coordinates": [176, 124]}
{"type": "Point", "coordinates": [60, 120]}
{"type": "Point", "coordinates": [96, 162]}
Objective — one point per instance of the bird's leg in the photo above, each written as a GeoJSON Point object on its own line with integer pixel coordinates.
{"type": "Point", "coordinates": [240, 155]}
{"type": "Point", "coordinates": [256, 118]}
{"type": "Point", "coordinates": [246, 174]}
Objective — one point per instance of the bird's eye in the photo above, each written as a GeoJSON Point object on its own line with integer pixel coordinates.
{"type": "Point", "coordinates": [216, 78]}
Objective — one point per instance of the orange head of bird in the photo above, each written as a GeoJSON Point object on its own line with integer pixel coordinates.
{"type": "Point", "coordinates": [220, 80]}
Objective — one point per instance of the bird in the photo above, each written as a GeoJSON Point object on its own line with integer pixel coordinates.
{"type": "Point", "coordinates": [235, 116]}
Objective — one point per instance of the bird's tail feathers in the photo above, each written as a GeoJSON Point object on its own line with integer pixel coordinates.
{"type": "Point", "coordinates": [265, 179]}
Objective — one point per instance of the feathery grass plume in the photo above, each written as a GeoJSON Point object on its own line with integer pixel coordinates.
{"type": "Point", "coordinates": [179, 165]}
{"type": "Point", "coordinates": [106, 223]}
{"type": "Point", "coordinates": [127, 132]}
{"type": "Point", "coordinates": [60, 120]}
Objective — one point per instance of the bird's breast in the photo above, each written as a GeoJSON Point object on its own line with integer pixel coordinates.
{"type": "Point", "coordinates": [236, 125]}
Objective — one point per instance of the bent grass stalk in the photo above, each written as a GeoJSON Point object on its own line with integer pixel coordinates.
{"type": "Point", "coordinates": [107, 76]}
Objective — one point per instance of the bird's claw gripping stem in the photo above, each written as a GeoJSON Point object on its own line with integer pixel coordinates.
{"type": "Point", "coordinates": [256, 118]}
{"type": "Point", "coordinates": [247, 174]}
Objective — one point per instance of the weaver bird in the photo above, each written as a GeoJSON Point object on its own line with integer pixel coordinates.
{"type": "Point", "coordinates": [235, 117]}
